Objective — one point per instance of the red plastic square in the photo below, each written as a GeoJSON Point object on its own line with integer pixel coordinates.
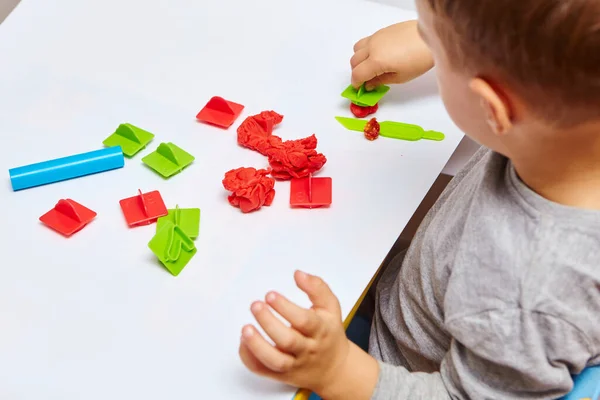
{"type": "Point", "coordinates": [143, 209]}
{"type": "Point", "coordinates": [220, 112]}
{"type": "Point", "coordinates": [68, 217]}
{"type": "Point", "coordinates": [310, 192]}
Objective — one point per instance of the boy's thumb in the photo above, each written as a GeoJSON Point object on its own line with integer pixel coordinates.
{"type": "Point", "coordinates": [318, 292]}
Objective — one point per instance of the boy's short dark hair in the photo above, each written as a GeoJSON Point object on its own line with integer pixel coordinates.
{"type": "Point", "coordinates": [548, 51]}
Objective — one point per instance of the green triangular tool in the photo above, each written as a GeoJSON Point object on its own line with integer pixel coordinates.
{"type": "Point", "coordinates": [173, 247]}
{"type": "Point", "coordinates": [394, 130]}
{"type": "Point", "coordinates": [168, 159]}
{"type": "Point", "coordinates": [188, 219]}
{"type": "Point", "coordinates": [131, 139]}
{"type": "Point", "coordinates": [363, 98]}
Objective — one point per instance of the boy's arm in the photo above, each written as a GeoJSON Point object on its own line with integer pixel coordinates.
{"type": "Point", "coordinates": [396, 54]}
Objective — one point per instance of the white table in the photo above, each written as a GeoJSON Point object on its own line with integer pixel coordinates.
{"type": "Point", "coordinates": [96, 316]}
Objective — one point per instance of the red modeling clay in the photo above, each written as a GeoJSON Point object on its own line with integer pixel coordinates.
{"type": "Point", "coordinates": [251, 188]}
{"type": "Point", "coordinates": [289, 159]}
{"type": "Point", "coordinates": [363, 112]}
{"type": "Point", "coordinates": [295, 158]}
{"type": "Point", "coordinates": [372, 129]}
{"type": "Point", "coordinates": [255, 131]}
{"type": "Point", "coordinates": [68, 217]}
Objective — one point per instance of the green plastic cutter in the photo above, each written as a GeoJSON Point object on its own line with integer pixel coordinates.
{"type": "Point", "coordinates": [394, 130]}
{"type": "Point", "coordinates": [131, 139]}
{"type": "Point", "coordinates": [188, 219]}
{"type": "Point", "coordinates": [363, 97]}
{"type": "Point", "coordinates": [168, 159]}
{"type": "Point", "coordinates": [173, 247]}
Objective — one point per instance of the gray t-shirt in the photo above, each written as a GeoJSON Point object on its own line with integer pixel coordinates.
{"type": "Point", "coordinates": [498, 297]}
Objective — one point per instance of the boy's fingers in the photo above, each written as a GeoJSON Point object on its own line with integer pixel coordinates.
{"type": "Point", "coordinates": [318, 292]}
{"type": "Point", "coordinates": [251, 362]}
{"type": "Point", "coordinates": [273, 359]}
{"type": "Point", "coordinates": [363, 72]}
{"type": "Point", "coordinates": [389, 77]}
{"type": "Point", "coordinates": [362, 43]}
{"type": "Point", "coordinates": [305, 321]}
{"type": "Point", "coordinates": [359, 56]}
{"type": "Point", "coordinates": [286, 338]}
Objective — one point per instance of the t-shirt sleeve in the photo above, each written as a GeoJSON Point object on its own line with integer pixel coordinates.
{"type": "Point", "coordinates": [397, 383]}
{"type": "Point", "coordinates": [513, 354]}
{"type": "Point", "coordinates": [499, 354]}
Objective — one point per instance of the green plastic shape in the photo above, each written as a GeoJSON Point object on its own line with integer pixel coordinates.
{"type": "Point", "coordinates": [365, 98]}
{"type": "Point", "coordinates": [394, 130]}
{"type": "Point", "coordinates": [131, 139]}
{"type": "Point", "coordinates": [168, 159]}
{"type": "Point", "coordinates": [188, 219]}
{"type": "Point", "coordinates": [173, 247]}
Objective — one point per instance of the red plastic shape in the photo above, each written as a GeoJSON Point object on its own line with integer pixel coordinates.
{"type": "Point", "coordinates": [68, 217]}
{"type": "Point", "coordinates": [310, 192]}
{"type": "Point", "coordinates": [143, 209]}
{"type": "Point", "coordinates": [220, 112]}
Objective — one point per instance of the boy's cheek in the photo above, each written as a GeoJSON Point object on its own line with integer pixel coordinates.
{"type": "Point", "coordinates": [463, 106]}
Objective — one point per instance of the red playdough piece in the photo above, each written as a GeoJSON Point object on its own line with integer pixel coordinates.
{"type": "Point", "coordinates": [251, 188]}
{"type": "Point", "coordinates": [295, 158]}
{"type": "Point", "coordinates": [372, 129]}
{"type": "Point", "coordinates": [363, 112]}
{"type": "Point", "coordinates": [255, 131]}
{"type": "Point", "coordinates": [289, 159]}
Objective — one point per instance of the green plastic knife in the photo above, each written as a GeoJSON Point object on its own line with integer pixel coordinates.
{"type": "Point", "coordinates": [394, 130]}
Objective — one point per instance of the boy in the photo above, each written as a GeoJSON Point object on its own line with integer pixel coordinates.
{"type": "Point", "coordinates": [498, 296]}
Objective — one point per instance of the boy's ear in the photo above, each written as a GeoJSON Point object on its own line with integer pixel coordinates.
{"type": "Point", "coordinates": [495, 106]}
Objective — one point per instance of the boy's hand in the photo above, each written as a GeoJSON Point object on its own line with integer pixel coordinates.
{"type": "Point", "coordinates": [314, 352]}
{"type": "Point", "coordinates": [395, 54]}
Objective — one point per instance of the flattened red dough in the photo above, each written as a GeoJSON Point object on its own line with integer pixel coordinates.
{"type": "Point", "coordinates": [295, 158]}
{"type": "Point", "coordinates": [289, 159]}
{"type": "Point", "coordinates": [251, 188]}
{"type": "Point", "coordinates": [363, 112]}
{"type": "Point", "coordinates": [255, 131]}
{"type": "Point", "coordinates": [372, 129]}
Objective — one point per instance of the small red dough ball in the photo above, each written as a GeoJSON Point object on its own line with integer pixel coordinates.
{"type": "Point", "coordinates": [372, 129]}
{"type": "Point", "coordinates": [363, 112]}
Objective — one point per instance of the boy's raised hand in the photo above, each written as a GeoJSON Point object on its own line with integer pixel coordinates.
{"type": "Point", "coordinates": [313, 352]}
{"type": "Point", "coordinates": [395, 54]}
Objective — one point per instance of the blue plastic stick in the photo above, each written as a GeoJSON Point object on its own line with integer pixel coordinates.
{"type": "Point", "coordinates": [66, 168]}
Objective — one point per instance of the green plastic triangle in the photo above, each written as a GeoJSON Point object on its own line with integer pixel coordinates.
{"type": "Point", "coordinates": [168, 159]}
{"type": "Point", "coordinates": [188, 219]}
{"type": "Point", "coordinates": [364, 98]}
{"type": "Point", "coordinates": [173, 247]}
{"type": "Point", "coordinates": [131, 139]}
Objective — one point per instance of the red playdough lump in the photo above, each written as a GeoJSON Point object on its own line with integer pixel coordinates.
{"type": "Point", "coordinates": [295, 158]}
{"type": "Point", "coordinates": [363, 112]}
{"type": "Point", "coordinates": [255, 131]}
{"type": "Point", "coordinates": [372, 129]}
{"type": "Point", "coordinates": [251, 188]}
{"type": "Point", "coordinates": [289, 159]}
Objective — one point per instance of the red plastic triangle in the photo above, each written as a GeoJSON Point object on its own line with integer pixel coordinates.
{"type": "Point", "coordinates": [311, 192]}
{"type": "Point", "coordinates": [220, 112]}
{"type": "Point", "coordinates": [68, 217]}
{"type": "Point", "coordinates": [143, 209]}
